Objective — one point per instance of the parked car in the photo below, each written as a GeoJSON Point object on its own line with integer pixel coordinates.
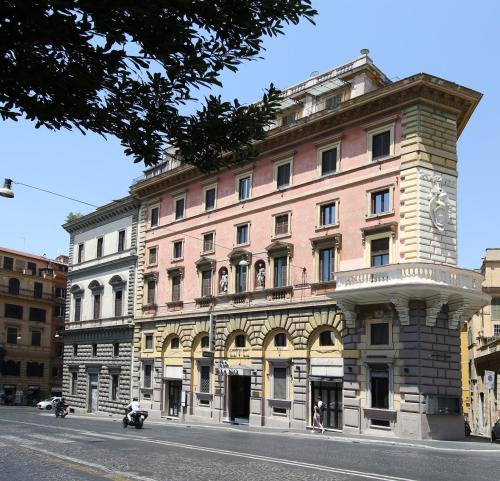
{"type": "Point", "coordinates": [48, 404]}
{"type": "Point", "coordinates": [495, 432]}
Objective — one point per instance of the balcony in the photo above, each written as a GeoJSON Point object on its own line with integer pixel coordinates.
{"type": "Point", "coordinates": [46, 296]}
{"type": "Point", "coordinates": [437, 284]}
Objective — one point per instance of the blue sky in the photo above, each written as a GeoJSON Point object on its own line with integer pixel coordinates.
{"type": "Point", "coordinates": [449, 39]}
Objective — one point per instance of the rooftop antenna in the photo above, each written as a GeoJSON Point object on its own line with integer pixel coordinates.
{"type": "Point", "coordinates": [314, 73]}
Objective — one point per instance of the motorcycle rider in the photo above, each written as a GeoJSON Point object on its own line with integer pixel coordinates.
{"type": "Point", "coordinates": [61, 405]}
{"type": "Point", "coordinates": [132, 408]}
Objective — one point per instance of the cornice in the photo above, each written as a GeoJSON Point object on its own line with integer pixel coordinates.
{"type": "Point", "coordinates": [387, 100]}
{"type": "Point", "coordinates": [103, 214]}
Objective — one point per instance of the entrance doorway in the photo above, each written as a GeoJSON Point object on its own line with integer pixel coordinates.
{"type": "Point", "coordinates": [239, 399]}
{"type": "Point", "coordinates": [330, 392]}
{"type": "Point", "coordinates": [93, 392]}
{"type": "Point", "coordinates": [172, 398]}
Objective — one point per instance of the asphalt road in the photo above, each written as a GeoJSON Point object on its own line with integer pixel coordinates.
{"type": "Point", "coordinates": [36, 445]}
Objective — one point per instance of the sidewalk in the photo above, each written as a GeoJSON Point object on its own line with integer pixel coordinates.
{"type": "Point", "coordinates": [469, 444]}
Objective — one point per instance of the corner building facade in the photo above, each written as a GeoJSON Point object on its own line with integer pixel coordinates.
{"type": "Point", "coordinates": [323, 269]}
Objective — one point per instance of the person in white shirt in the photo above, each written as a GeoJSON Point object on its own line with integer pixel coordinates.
{"type": "Point", "coordinates": [133, 407]}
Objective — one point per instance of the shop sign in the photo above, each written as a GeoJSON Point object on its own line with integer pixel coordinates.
{"type": "Point", "coordinates": [489, 379]}
{"type": "Point", "coordinates": [225, 368]}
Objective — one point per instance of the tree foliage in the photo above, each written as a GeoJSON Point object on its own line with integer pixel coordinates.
{"type": "Point", "coordinates": [126, 67]}
{"type": "Point", "coordinates": [73, 216]}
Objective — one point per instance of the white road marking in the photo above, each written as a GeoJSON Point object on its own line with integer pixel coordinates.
{"type": "Point", "coordinates": [52, 439]}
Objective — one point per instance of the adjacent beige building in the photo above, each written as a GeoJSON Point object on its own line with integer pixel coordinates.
{"type": "Point", "coordinates": [481, 358]}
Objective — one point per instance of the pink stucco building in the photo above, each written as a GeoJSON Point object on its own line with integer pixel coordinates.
{"type": "Point", "coordinates": [324, 268]}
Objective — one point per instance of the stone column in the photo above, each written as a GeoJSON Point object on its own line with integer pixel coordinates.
{"type": "Point", "coordinates": [299, 416]}
{"type": "Point", "coordinates": [351, 386]}
{"type": "Point", "coordinates": [187, 409]}
{"type": "Point", "coordinates": [256, 394]}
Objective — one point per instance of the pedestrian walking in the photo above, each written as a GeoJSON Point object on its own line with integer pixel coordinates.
{"type": "Point", "coordinates": [317, 419]}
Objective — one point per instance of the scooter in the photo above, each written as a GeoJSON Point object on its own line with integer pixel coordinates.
{"type": "Point", "coordinates": [138, 418]}
{"type": "Point", "coordinates": [61, 410]}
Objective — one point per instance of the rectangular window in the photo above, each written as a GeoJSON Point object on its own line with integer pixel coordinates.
{"type": "Point", "coordinates": [242, 234]}
{"type": "Point", "coordinates": [97, 306]}
{"type": "Point", "coordinates": [78, 308]}
{"type": "Point", "coordinates": [329, 161]}
{"type": "Point", "coordinates": [496, 330]}
{"type": "Point", "coordinates": [10, 368]}
{"type": "Point", "coordinates": [179, 208]}
{"type": "Point", "coordinates": [379, 334]}
{"type": "Point", "coordinates": [283, 172]}
{"type": "Point", "coordinates": [495, 309]}
{"type": "Point", "coordinates": [281, 224]}
{"type": "Point", "coordinates": [13, 311]}
{"type": "Point", "coordinates": [55, 372]}
{"type": "Point", "coordinates": [381, 144]}
{"type": "Point", "coordinates": [279, 382]}
{"type": "Point", "coordinates": [36, 338]}
{"type": "Point", "coordinates": [60, 293]}
{"type": "Point", "coordinates": [210, 195]}
{"type": "Point", "coordinates": [379, 384]}
{"type": "Point", "coordinates": [326, 264]}
{"type": "Point", "coordinates": [32, 268]}
{"type": "Point", "coordinates": [153, 254]}
{"type": "Point", "coordinates": [121, 241]}
{"type": "Point", "coordinates": [148, 342]}
{"type": "Point", "coordinates": [59, 349]}
{"type": "Point", "coordinates": [151, 292]}
{"type": "Point", "coordinates": [8, 263]}
{"type": "Point", "coordinates": [178, 254]}
{"type": "Point", "coordinates": [38, 290]}
{"type": "Point", "coordinates": [81, 253]}
{"type": "Point", "coordinates": [12, 335]}
{"type": "Point", "coordinates": [333, 102]}
{"type": "Point", "coordinates": [148, 370]}
{"type": "Point", "coordinates": [206, 283]}
{"type": "Point", "coordinates": [244, 188]}
{"type": "Point", "coordinates": [280, 271]}
{"type": "Point", "coordinates": [176, 288]}
{"type": "Point", "coordinates": [327, 214]}
{"type": "Point", "coordinates": [74, 383]}
{"type": "Point", "coordinates": [288, 119]}
{"type": "Point", "coordinates": [38, 315]}
{"type": "Point", "coordinates": [208, 242]}
{"type": "Point", "coordinates": [204, 378]}
{"type": "Point", "coordinates": [116, 349]}
{"type": "Point", "coordinates": [380, 202]}
{"type": "Point", "coordinates": [241, 278]}
{"type": "Point", "coordinates": [115, 382]}
{"type": "Point", "coordinates": [100, 244]}
{"type": "Point", "coordinates": [118, 303]}
{"type": "Point", "coordinates": [154, 217]}
{"type": "Point", "coordinates": [379, 252]}
{"type": "Point", "coordinates": [75, 350]}
{"type": "Point", "coordinates": [94, 350]}
{"type": "Point", "coordinates": [34, 369]}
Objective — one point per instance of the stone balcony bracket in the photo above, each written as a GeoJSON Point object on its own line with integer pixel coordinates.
{"type": "Point", "coordinates": [397, 284]}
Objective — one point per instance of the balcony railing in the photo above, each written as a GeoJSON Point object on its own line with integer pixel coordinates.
{"type": "Point", "coordinates": [169, 164]}
{"type": "Point", "coordinates": [411, 273]}
{"type": "Point", "coordinates": [27, 293]}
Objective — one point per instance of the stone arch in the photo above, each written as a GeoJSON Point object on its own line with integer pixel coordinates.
{"type": "Point", "coordinates": [315, 333]}
{"type": "Point", "coordinates": [282, 320]}
{"type": "Point", "coordinates": [173, 328]}
{"type": "Point", "coordinates": [229, 344]}
{"type": "Point", "coordinates": [76, 289]}
{"type": "Point", "coordinates": [238, 322]}
{"type": "Point", "coordinates": [117, 281]}
{"type": "Point", "coordinates": [325, 316]}
{"type": "Point", "coordinates": [268, 344]}
{"type": "Point", "coordinates": [95, 285]}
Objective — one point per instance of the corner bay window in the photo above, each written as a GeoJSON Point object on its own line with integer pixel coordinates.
{"type": "Point", "coordinates": [379, 252]}
{"type": "Point", "coordinates": [379, 386]}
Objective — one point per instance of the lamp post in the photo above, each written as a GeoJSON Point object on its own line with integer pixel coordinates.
{"type": "Point", "coordinates": [6, 191]}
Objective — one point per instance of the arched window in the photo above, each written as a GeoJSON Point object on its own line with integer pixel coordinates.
{"type": "Point", "coordinates": [240, 340]}
{"type": "Point", "coordinates": [174, 343]}
{"type": "Point", "coordinates": [205, 342]}
{"type": "Point", "coordinates": [280, 339]}
{"type": "Point", "coordinates": [13, 286]}
{"type": "Point", "coordinates": [327, 338]}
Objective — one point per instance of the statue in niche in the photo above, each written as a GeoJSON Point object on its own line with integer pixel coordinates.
{"type": "Point", "coordinates": [261, 276]}
{"type": "Point", "coordinates": [223, 281]}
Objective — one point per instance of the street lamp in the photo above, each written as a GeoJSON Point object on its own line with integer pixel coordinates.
{"type": "Point", "coordinates": [6, 191]}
